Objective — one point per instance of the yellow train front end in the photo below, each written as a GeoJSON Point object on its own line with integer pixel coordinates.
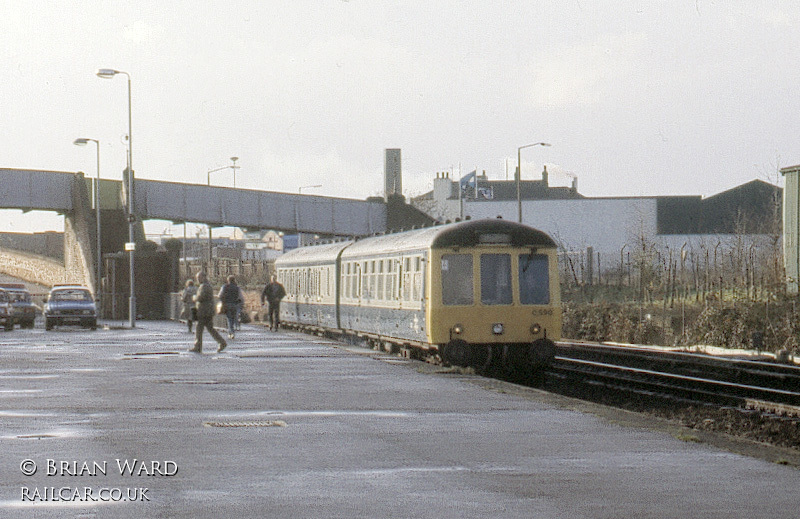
{"type": "Point", "coordinates": [494, 297]}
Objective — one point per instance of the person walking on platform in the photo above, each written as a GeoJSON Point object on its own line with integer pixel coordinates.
{"type": "Point", "coordinates": [187, 296]}
{"type": "Point", "coordinates": [272, 294]}
{"type": "Point", "coordinates": [232, 301]}
{"type": "Point", "coordinates": [204, 302]}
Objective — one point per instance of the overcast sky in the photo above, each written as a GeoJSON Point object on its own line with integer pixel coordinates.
{"type": "Point", "coordinates": [636, 97]}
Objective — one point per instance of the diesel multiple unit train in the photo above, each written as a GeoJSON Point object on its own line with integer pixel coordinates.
{"type": "Point", "coordinates": [474, 293]}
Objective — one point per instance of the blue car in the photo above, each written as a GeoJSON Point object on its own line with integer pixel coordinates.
{"type": "Point", "coordinates": [23, 308]}
{"type": "Point", "coordinates": [70, 304]}
{"type": "Point", "coordinates": [6, 311]}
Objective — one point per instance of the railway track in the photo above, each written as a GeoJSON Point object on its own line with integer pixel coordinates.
{"type": "Point", "coordinates": [764, 395]}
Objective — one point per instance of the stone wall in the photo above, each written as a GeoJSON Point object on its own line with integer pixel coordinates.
{"type": "Point", "coordinates": [36, 269]}
{"type": "Point", "coordinates": [79, 237]}
{"type": "Point", "coordinates": [49, 243]}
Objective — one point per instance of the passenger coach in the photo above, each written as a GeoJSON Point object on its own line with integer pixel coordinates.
{"type": "Point", "coordinates": [475, 292]}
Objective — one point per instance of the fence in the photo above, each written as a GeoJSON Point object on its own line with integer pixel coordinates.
{"type": "Point", "coordinates": [731, 270]}
{"type": "Point", "coordinates": [729, 293]}
{"type": "Point", "coordinates": [248, 273]}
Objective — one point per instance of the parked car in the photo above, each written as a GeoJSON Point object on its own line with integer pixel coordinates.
{"type": "Point", "coordinates": [70, 304]}
{"type": "Point", "coordinates": [6, 311]}
{"type": "Point", "coordinates": [23, 308]}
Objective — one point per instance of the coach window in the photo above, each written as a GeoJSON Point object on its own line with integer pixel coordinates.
{"type": "Point", "coordinates": [365, 280]}
{"type": "Point", "coordinates": [351, 287]}
{"type": "Point", "coordinates": [343, 279]}
{"type": "Point", "coordinates": [457, 279]}
{"type": "Point", "coordinates": [366, 290]}
{"type": "Point", "coordinates": [534, 281]}
{"type": "Point", "coordinates": [353, 272]}
{"type": "Point", "coordinates": [373, 283]}
{"type": "Point", "coordinates": [496, 279]}
{"type": "Point", "coordinates": [407, 279]}
{"type": "Point", "coordinates": [358, 288]}
{"type": "Point", "coordinates": [328, 282]}
{"type": "Point", "coordinates": [380, 294]}
{"type": "Point", "coordinates": [392, 281]}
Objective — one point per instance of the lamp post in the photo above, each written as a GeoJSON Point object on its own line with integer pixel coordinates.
{"type": "Point", "coordinates": [519, 176]}
{"type": "Point", "coordinates": [234, 167]}
{"type": "Point", "coordinates": [98, 273]}
{"type": "Point", "coordinates": [300, 191]}
{"type": "Point", "coordinates": [108, 73]}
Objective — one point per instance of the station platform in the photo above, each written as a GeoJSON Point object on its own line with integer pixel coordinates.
{"type": "Point", "coordinates": [289, 425]}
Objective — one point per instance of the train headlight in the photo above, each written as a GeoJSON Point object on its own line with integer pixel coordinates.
{"type": "Point", "coordinates": [536, 328]}
{"type": "Point", "coordinates": [497, 328]}
{"type": "Point", "coordinates": [458, 329]}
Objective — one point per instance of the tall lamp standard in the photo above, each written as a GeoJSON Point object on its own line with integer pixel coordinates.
{"type": "Point", "coordinates": [300, 191]}
{"type": "Point", "coordinates": [519, 176]}
{"type": "Point", "coordinates": [97, 292]}
{"type": "Point", "coordinates": [301, 188]}
{"type": "Point", "coordinates": [234, 167]}
{"type": "Point", "coordinates": [108, 73]}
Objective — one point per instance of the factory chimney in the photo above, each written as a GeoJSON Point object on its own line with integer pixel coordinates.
{"type": "Point", "coordinates": [392, 173]}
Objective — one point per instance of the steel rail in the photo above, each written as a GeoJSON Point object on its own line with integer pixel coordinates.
{"type": "Point", "coordinates": [713, 389]}
{"type": "Point", "coordinates": [744, 372]}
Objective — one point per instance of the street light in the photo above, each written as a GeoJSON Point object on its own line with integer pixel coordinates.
{"type": "Point", "coordinates": [83, 142]}
{"type": "Point", "coordinates": [108, 73]}
{"type": "Point", "coordinates": [301, 188]}
{"type": "Point", "coordinates": [234, 167]}
{"type": "Point", "coordinates": [519, 176]}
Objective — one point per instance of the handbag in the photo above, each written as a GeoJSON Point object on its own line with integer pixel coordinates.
{"type": "Point", "coordinates": [221, 307]}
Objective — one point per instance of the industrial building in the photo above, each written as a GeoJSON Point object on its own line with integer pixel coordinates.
{"type": "Point", "coordinates": [610, 228]}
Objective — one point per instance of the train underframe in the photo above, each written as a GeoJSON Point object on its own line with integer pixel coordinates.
{"type": "Point", "coordinates": [505, 357]}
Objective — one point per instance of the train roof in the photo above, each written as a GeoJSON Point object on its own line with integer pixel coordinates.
{"type": "Point", "coordinates": [469, 233]}
{"type": "Point", "coordinates": [462, 234]}
{"type": "Point", "coordinates": [315, 254]}
{"type": "Point", "coordinates": [491, 231]}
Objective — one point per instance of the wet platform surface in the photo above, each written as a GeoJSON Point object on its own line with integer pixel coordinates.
{"type": "Point", "coordinates": [288, 425]}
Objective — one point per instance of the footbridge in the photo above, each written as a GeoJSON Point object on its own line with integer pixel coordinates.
{"type": "Point", "coordinates": [71, 194]}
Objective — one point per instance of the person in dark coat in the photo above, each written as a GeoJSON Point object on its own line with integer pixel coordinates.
{"type": "Point", "coordinates": [231, 296]}
{"type": "Point", "coordinates": [204, 302]}
{"type": "Point", "coordinates": [272, 294]}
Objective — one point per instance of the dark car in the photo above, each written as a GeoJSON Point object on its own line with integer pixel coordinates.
{"type": "Point", "coordinates": [6, 311]}
{"type": "Point", "coordinates": [70, 304]}
{"type": "Point", "coordinates": [23, 308]}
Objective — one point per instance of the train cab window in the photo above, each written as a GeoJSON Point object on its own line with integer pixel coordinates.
{"type": "Point", "coordinates": [534, 281]}
{"type": "Point", "coordinates": [457, 279]}
{"type": "Point", "coordinates": [496, 279]}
